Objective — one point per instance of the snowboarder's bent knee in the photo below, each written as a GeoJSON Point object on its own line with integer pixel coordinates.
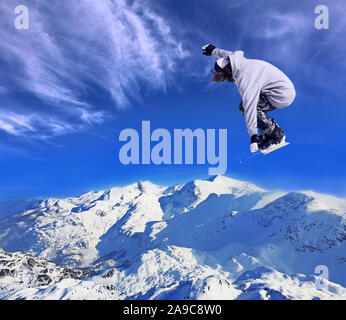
{"type": "Point", "coordinates": [284, 99]}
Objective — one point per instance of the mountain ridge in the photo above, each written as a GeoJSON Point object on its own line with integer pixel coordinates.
{"type": "Point", "coordinates": [216, 222]}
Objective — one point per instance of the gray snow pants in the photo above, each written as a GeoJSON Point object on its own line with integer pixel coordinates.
{"type": "Point", "coordinates": [266, 124]}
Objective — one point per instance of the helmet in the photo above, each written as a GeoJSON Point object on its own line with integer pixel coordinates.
{"type": "Point", "coordinates": [221, 63]}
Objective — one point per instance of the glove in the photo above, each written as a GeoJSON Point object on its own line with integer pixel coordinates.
{"type": "Point", "coordinates": [254, 145]}
{"type": "Point", "coordinates": [208, 49]}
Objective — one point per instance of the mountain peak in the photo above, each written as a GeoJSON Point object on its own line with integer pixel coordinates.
{"type": "Point", "coordinates": [224, 184]}
{"type": "Point", "coordinates": [147, 186]}
{"type": "Point", "coordinates": [213, 178]}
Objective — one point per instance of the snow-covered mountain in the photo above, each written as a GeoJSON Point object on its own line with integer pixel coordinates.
{"type": "Point", "coordinates": [207, 239]}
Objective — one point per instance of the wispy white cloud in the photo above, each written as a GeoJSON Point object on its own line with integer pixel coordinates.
{"type": "Point", "coordinates": [37, 125]}
{"type": "Point", "coordinates": [283, 24]}
{"type": "Point", "coordinates": [74, 47]}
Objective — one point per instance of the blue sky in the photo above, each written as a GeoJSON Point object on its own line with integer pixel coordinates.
{"type": "Point", "coordinates": [88, 69]}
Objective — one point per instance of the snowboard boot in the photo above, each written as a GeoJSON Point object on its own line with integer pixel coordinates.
{"type": "Point", "coordinates": [275, 138]}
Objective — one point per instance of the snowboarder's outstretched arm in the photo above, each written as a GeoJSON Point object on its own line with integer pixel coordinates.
{"type": "Point", "coordinates": [211, 50]}
{"type": "Point", "coordinates": [221, 53]}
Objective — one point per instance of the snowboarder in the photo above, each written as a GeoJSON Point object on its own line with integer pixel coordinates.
{"type": "Point", "coordinates": [262, 87]}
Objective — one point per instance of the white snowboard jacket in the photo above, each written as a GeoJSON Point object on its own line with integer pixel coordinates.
{"type": "Point", "coordinates": [254, 77]}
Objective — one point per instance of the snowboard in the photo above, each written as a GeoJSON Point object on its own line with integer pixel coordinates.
{"type": "Point", "coordinates": [273, 148]}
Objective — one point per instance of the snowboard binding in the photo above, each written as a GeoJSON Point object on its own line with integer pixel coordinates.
{"type": "Point", "coordinates": [273, 141]}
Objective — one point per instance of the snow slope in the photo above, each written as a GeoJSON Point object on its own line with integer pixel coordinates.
{"type": "Point", "coordinates": [218, 238]}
